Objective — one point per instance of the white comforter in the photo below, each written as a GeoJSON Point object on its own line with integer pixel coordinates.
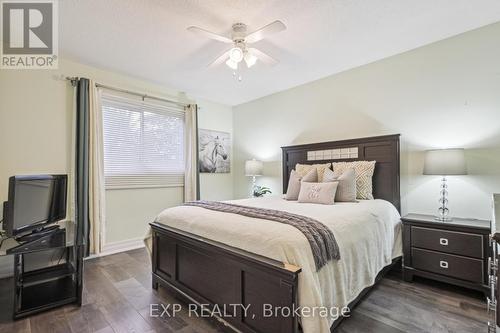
{"type": "Point", "coordinates": [368, 234]}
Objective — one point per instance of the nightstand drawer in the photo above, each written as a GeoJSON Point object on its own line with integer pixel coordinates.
{"type": "Point", "coordinates": [447, 264]}
{"type": "Point", "coordinates": [461, 243]}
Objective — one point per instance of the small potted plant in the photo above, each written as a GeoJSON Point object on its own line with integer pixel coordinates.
{"type": "Point", "coordinates": [259, 191]}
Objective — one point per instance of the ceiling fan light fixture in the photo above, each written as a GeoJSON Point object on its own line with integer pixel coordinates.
{"type": "Point", "coordinates": [239, 41]}
{"type": "Point", "coordinates": [232, 64]}
{"type": "Point", "coordinates": [236, 54]}
{"type": "Point", "coordinates": [250, 59]}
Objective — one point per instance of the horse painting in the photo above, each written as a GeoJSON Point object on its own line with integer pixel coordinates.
{"type": "Point", "coordinates": [213, 154]}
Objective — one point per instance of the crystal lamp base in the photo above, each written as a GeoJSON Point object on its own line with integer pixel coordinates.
{"type": "Point", "coordinates": [443, 210]}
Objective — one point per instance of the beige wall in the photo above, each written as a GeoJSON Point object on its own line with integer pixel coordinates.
{"type": "Point", "coordinates": [442, 95]}
{"type": "Point", "coordinates": [216, 186]}
{"type": "Point", "coordinates": [36, 108]}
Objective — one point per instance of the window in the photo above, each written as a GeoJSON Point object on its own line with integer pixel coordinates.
{"type": "Point", "coordinates": [143, 143]}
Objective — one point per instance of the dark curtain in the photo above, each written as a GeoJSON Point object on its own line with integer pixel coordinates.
{"type": "Point", "coordinates": [82, 164]}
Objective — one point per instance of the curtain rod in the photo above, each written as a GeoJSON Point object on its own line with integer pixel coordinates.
{"type": "Point", "coordinates": [75, 79]}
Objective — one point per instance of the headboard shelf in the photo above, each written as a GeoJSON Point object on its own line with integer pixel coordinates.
{"type": "Point", "coordinates": [383, 149]}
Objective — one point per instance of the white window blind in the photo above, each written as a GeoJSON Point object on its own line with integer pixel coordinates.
{"type": "Point", "coordinates": [143, 143]}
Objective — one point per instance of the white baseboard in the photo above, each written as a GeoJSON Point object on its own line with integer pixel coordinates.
{"type": "Point", "coordinates": [121, 246]}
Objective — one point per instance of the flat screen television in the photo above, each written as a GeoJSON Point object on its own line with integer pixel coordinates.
{"type": "Point", "coordinates": [34, 202]}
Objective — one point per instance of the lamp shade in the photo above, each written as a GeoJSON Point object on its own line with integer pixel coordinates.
{"type": "Point", "coordinates": [253, 168]}
{"type": "Point", "coordinates": [445, 162]}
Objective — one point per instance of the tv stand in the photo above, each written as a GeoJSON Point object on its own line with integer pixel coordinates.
{"type": "Point", "coordinates": [47, 272]}
{"type": "Point", "coordinates": [38, 233]}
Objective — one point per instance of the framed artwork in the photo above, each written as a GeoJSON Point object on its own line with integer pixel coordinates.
{"type": "Point", "coordinates": [213, 151]}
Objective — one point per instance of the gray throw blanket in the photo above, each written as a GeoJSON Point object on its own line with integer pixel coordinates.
{"type": "Point", "coordinates": [321, 239]}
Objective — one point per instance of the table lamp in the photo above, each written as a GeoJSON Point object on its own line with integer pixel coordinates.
{"type": "Point", "coordinates": [253, 168]}
{"type": "Point", "coordinates": [444, 162]}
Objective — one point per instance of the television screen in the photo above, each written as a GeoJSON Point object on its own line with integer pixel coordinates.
{"type": "Point", "coordinates": [35, 201]}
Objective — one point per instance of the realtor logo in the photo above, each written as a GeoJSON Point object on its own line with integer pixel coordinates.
{"type": "Point", "coordinates": [29, 34]}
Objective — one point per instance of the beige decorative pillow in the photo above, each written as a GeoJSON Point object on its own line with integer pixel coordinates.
{"type": "Point", "coordinates": [346, 190]}
{"type": "Point", "coordinates": [364, 173]}
{"type": "Point", "coordinates": [294, 183]}
{"type": "Point", "coordinates": [320, 193]}
{"type": "Point", "coordinates": [292, 192]}
{"type": "Point", "coordinates": [329, 176]}
{"type": "Point", "coordinates": [311, 176]}
{"type": "Point", "coordinates": [303, 169]}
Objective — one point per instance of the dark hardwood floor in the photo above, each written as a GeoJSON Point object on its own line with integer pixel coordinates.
{"type": "Point", "coordinates": [118, 294]}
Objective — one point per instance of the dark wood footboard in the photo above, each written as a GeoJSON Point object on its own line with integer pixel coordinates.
{"type": "Point", "coordinates": [221, 276]}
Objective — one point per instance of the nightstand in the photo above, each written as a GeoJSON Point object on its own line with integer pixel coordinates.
{"type": "Point", "coordinates": [454, 252]}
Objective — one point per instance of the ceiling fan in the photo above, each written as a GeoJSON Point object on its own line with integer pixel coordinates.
{"type": "Point", "coordinates": [240, 40]}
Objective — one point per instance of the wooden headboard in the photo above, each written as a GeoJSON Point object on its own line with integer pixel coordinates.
{"type": "Point", "coordinates": [383, 149]}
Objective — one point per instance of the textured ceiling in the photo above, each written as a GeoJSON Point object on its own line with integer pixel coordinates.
{"type": "Point", "coordinates": [148, 38]}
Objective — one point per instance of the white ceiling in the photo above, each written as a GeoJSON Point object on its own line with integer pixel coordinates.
{"type": "Point", "coordinates": [148, 38]}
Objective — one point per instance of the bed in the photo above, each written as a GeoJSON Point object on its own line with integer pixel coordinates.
{"type": "Point", "coordinates": [221, 259]}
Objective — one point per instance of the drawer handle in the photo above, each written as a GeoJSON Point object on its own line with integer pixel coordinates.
{"type": "Point", "coordinates": [443, 264]}
{"type": "Point", "coordinates": [443, 241]}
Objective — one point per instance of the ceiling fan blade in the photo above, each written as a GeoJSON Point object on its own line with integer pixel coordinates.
{"type": "Point", "coordinates": [222, 58]}
{"type": "Point", "coordinates": [209, 34]}
{"type": "Point", "coordinates": [267, 59]}
{"type": "Point", "coordinates": [263, 32]}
